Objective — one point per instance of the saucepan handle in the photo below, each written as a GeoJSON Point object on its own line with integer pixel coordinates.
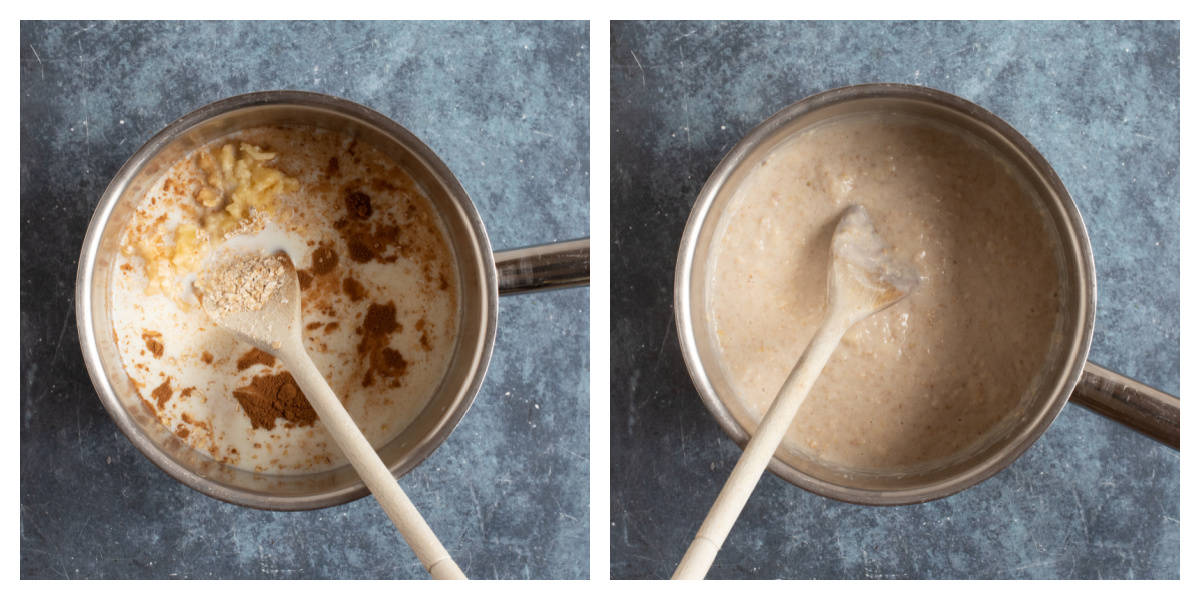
{"type": "Point", "coordinates": [1132, 403]}
{"type": "Point", "coordinates": [547, 267]}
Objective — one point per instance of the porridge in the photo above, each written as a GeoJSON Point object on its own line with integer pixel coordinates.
{"type": "Point", "coordinates": [929, 378]}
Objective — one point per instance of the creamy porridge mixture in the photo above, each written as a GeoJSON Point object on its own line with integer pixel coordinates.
{"type": "Point", "coordinates": [937, 372]}
{"type": "Point", "coordinates": [379, 295]}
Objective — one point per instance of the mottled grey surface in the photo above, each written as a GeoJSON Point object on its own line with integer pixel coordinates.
{"type": "Point", "coordinates": [506, 107]}
{"type": "Point", "coordinates": [1091, 499]}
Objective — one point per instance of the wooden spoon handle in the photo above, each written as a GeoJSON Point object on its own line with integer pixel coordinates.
{"type": "Point", "coordinates": [370, 467]}
{"type": "Point", "coordinates": [758, 453]}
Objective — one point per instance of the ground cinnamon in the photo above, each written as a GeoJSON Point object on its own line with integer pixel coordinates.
{"type": "Point", "coordinates": [354, 290]}
{"type": "Point", "coordinates": [377, 328]}
{"type": "Point", "coordinates": [153, 341]}
{"type": "Point", "coordinates": [324, 260]}
{"type": "Point", "coordinates": [425, 345]}
{"type": "Point", "coordinates": [367, 240]}
{"type": "Point", "coordinates": [304, 278]}
{"type": "Point", "coordinates": [255, 357]}
{"type": "Point", "coordinates": [272, 397]}
{"type": "Point", "coordinates": [162, 393]}
{"type": "Point", "coordinates": [366, 244]}
{"type": "Point", "coordinates": [358, 205]}
{"type": "Point", "coordinates": [190, 420]}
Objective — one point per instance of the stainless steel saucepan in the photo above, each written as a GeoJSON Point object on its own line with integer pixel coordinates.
{"type": "Point", "coordinates": [1067, 373]}
{"type": "Point", "coordinates": [483, 277]}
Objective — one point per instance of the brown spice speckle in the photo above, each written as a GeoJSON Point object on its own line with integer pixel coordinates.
{"type": "Point", "coordinates": [391, 364]}
{"type": "Point", "coordinates": [358, 205]}
{"type": "Point", "coordinates": [162, 393]}
{"type": "Point", "coordinates": [324, 260]}
{"type": "Point", "coordinates": [255, 357]}
{"type": "Point", "coordinates": [366, 244]}
{"type": "Point", "coordinates": [359, 252]}
{"type": "Point", "coordinates": [354, 290]}
{"type": "Point", "coordinates": [154, 342]}
{"type": "Point", "coordinates": [377, 328]}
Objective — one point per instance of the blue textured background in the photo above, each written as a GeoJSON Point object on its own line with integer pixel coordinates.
{"type": "Point", "coordinates": [506, 107]}
{"type": "Point", "coordinates": [1091, 499]}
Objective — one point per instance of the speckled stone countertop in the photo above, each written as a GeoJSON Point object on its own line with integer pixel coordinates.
{"type": "Point", "coordinates": [1091, 499]}
{"type": "Point", "coordinates": [505, 105]}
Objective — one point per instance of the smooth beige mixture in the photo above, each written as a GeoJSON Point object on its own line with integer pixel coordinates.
{"type": "Point", "coordinates": [379, 293]}
{"type": "Point", "coordinates": [929, 377]}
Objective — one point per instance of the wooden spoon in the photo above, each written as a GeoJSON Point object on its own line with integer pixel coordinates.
{"type": "Point", "coordinates": [864, 278]}
{"type": "Point", "coordinates": [257, 297]}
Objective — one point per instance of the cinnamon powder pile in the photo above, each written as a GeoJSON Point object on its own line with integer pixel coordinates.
{"type": "Point", "coordinates": [270, 397]}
